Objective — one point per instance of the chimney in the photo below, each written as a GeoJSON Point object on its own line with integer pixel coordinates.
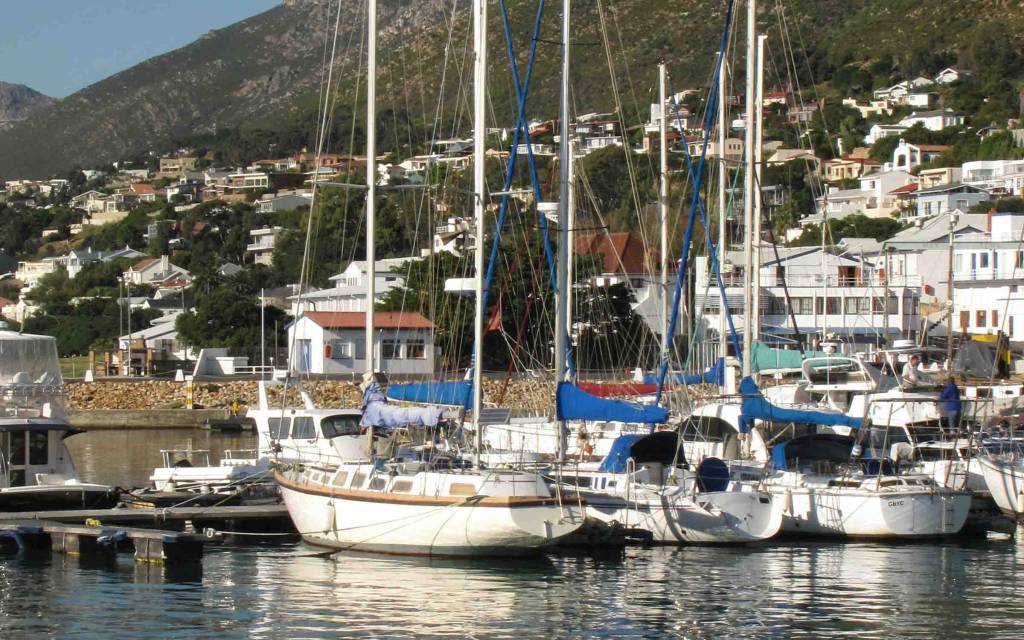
{"type": "Point", "coordinates": [164, 266]}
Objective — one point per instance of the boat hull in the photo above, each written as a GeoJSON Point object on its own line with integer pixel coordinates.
{"type": "Point", "coordinates": [727, 517]}
{"type": "Point", "coordinates": [870, 514]}
{"type": "Point", "coordinates": [1005, 482]}
{"type": "Point", "coordinates": [473, 526]}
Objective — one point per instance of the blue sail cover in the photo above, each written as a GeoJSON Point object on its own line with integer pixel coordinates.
{"type": "Point", "coordinates": [572, 403]}
{"type": "Point", "coordinates": [378, 413]}
{"type": "Point", "coordinates": [621, 451]}
{"type": "Point", "coordinates": [755, 407]}
{"type": "Point", "coordinates": [714, 375]}
{"type": "Point", "coordinates": [458, 393]}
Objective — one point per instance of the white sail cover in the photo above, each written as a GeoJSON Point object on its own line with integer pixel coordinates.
{"type": "Point", "coordinates": [30, 380]}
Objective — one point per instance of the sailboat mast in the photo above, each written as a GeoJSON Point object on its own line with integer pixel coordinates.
{"type": "Point", "coordinates": [663, 198]}
{"type": "Point", "coordinates": [371, 179]}
{"type": "Point", "coordinates": [479, 148]}
{"type": "Point", "coordinates": [723, 177]}
{"type": "Point", "coordinates": [570, 214]}
{"type": "Point", "coordinates": [748, 192]}
{"type": "Point", "coordinates": [562, 272]}
{"type": "Point", "coordinates": [758, 172]}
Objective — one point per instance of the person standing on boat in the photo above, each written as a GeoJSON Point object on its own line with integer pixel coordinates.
{"type": "Point", "coordinates": [909, 374]}
{"type": "Point", "coordinates": [951, 404]}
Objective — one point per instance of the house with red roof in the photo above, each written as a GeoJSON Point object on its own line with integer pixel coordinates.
{"type": "Point", "coordinates": [334, 342]}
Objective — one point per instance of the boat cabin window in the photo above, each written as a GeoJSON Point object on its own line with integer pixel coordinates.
{"type": "Point", "coordinates": [17, 448]}
{"type": "Point", "coordinates": [343, 425]}
{"type": "Point", "coordinates": [38, 447]}
{"type": "Point", "coordinates": [358, 480]}
{"type": "Point", "coordinates": [279, 427]}
{"type": "Point", "coordinates": [303, 427]}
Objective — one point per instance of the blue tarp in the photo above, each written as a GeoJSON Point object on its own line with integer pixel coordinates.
{"type": "Point", "coordinates": [378, 413]}
{"type": "Point", "coordinates": [714, 375]}
{"type": "Point", "coordinates": [756, 407]}
{"type": "Point", "coordinates": [572, 403]}
{"type": "Point", "coordinates": [615, 461]}
{"type": "Point", "coordinates": [457, 392]}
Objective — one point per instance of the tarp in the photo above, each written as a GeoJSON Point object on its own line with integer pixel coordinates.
{"type": "Point", "coordinates": [606, 389]}
{"type": "Point", "coordinates": [714, 375]}
{"type": "Point", "coordinates": [830, 447]}
{"type": "Point", "coordinates": [572, 403]}
{"type": "Point", "coordinates": [976, 360]}
{"type": "Point", "coordinates": [458, 393]}
{"type": "Point", "coordinates": [660, 446]}
{"type": "Point", "coordinates": [765, 358]}
{"type": "Point", "coordinates": [755, 407]}
{"type": "Point", "coordinates": [378, 413]}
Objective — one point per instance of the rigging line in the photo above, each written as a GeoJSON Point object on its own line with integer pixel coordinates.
{"type": "Point", "coordinates": [695, 204]}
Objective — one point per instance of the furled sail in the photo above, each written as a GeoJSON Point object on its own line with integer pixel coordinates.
{"type": "Point", "coordinates": [457, 393]}
{"type": "Point", "coordinates": [572, 403]}
{"type": "Point", "coordinates": [609, 389]}
{"type": "Point", "coordinates": [756, 407]}
{"type": "Point", "coordinates": [378, 413]}
{"type": "Point", "coordinates": [714, 375]}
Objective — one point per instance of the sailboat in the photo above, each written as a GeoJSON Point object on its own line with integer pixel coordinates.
{"type": "Point", "coordinates": [407, 500]}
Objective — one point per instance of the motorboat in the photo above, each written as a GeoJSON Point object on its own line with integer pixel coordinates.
{"type": "Point", "coordinates": [644, 484]}
{"type": "Point", "coordinates": [36, 469]}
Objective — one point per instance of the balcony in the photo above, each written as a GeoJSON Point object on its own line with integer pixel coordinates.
{"type": "Point", "coordinates": [831, 281]}
{"type": "Point", "coordinates": [988, 274]}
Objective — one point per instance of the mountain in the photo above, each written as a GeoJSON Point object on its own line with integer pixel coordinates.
{"type": "Point", "coordinates": [17, 102]}
{"type": "Point", "coordinates": [254, 85]}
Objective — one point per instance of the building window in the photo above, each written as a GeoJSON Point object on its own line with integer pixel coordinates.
{"type": "Point", "coordinates": [1018, 262]}
{"type": "Point", "coordinates": [979, 319]}
{"type": "Point", "coordinates": [983, 260]}
{"type": "Point", "coordinates": [416, 349]}
{"type": "Point", "coordinates": [995, 318]}
{"type": "Point", "coordinates": [391, 350]}
{"type": "Point", "coordinates": [958, 263]}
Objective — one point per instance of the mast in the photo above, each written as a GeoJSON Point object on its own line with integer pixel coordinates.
{"type": "Point", "coordinates": [371, 180]}
{"type": "Point", "coordinates": [570, 211]}
{"type": "Point", "coordinates": [663, 198]}
{"type": "Point", "coordinates": [479, 142]}
{"type": "Point", "coordinates": [723, 177]}
{"type": "Point", "coordinates": [562, 273]}
{"type": "Point", "coordinates": [949, 295]}
{"type": "Point", "coordinates": [748, 192]}
{"type": "Point", "coordinates": [758, 186]}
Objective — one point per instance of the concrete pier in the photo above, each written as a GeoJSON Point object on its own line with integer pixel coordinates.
{"type": "Point", "coordinates": [145, 418]}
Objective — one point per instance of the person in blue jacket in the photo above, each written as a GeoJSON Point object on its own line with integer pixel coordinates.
{"type": "Point", "coordinates": [951, 405]}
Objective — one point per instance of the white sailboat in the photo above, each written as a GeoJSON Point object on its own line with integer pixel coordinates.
{"type": "Point", "coordinates": [413, 502]}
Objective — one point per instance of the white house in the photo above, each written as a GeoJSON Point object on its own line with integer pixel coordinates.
{"type": "Point", "coordinates": [949, 75]}
{"type": "Point", "coordinates": [923, 250]}
{"type": "Point", "coordinates": [879, 131]}
{"type": "Point", "coordinates": [74, 260]}
{"type": "Point", "coordinates": [156, 271]}
{"type": "Point", "coordinates": [283, 201]}
{"type": "Point", "coordinates": [946, 198]}
{"type": "Point", "coordinates": [988, 278]}
{"type": "Point", "coordinates": [934, 120]}
{"type": "Point", "coordinates": [349, 290]}
{"type": "Point", "coordinates": [826, 292]}
{"type": "Point", "coordinates": [906, 155]}
{"type": "Point", "coordinates": [158, 342]}
{"type": "Point", "coordinates": [335, 342]}
{"type": "Point", "coordinates": [874, 198]}
{"type": "Point", "coordinates": [996, 176]}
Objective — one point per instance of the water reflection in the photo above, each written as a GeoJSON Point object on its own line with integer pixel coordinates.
{"type": "Point", "coordinates": [791, 590]}
{"type": "Point", "coordinates": [126, 458]}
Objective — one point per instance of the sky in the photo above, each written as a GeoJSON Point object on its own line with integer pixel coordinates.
{"type": "Point", "coordinates": [60, 46]}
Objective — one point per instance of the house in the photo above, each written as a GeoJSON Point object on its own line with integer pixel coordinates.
{"type": "Point", "coordinates": [185, 190]}
{"type": "Point", "coordinates": [733, 148]}
{"type": "Point", "coordinates": [922, 100]}
{"type": "Point", "coordinates": [801, 114]}
{"type": "Point", "coordinates": [29, 273]}
{"type": "Point", "coordinates": [349, 290]}
{"type": "Point", "coordinates": [988, 278]}
{"type": "Point", "coordinates": [143, 191]}
{"type": "Point", "coordinates": [879, 131]}
{"type": "Point", "coordinates": [822, 290]}
{"type": "Point", "coordinates": [868, 109]}
{"type": "Point", "coordinates": [152, 345]}
{"type": "Point", "coordinates": [1005, 177]}
{"type": "Point", "coordinates": [949, 75]}
{"type": "Point", "coordinates": [335, 343]}
{"type": "Point", "coordinates": [454, 236]}
{"type": "Point", "coordinates": [847, 168]}
{"type": "Point", "coordinates": [873, 198]}
{"type": "Point", "coordinates": [262, 246]}
{"type": "Point", "coordinates": [922, 250]}
{"type": "Point", "coordinates": [945, 198]}
{"type": "Point", "coordinates": [906, 200]}
{"type": "Point", "coordinates": [156, 271]}
{"type": "Point", "coordinates": [75, 260]}
{"type": "Point", "coordinates": [934, 120]}
{"type": "Point", "coordinates": [906, 156]}
{"type": "Point", "coordinates": [284, 201]}
{"type": "Point", "coordinates": [929, 178]}
{"type": "Point", "coordinates": [90, 201]}
{"type": "Point", "coordinates": [172, 166]}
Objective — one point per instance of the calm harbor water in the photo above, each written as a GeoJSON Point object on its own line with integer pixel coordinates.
{"type": "Point", "coordinates": [950, 589]}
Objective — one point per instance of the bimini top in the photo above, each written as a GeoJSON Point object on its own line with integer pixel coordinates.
{"type": "Point", "coordinates": [660, 446]}
{"type": "Point", "coordinates": [8, 425]}
{"type": "Point", "coordinates": [825, 447]}
{"type": "Point", "coordinates": [31, 385]}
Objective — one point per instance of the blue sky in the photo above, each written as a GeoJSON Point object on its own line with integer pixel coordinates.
{"type": "Point", "coordinates": [60, 46]}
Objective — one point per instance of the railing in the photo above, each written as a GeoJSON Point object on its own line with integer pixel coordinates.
{"type": "Point", "coordinates": [988, 273]}
{"type": "Point", "coordinates": [819, 280]}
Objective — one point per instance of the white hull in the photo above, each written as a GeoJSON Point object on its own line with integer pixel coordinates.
{"type": "Point", "coordinates": [591, 440]}
{"type": "Point", "coordinates": [872, 514]}
{"type": "Point", "coordinates": [672, 516]}
{"type": "Point", "coordinates": [382, 521]}
{"type": "Point", "coordinates": [1005, 481]}
{"type": "Point", "coordinates": [215, 478]}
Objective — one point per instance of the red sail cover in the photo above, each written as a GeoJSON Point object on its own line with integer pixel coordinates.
{"type": "Point", "coordinates": [612, 389]}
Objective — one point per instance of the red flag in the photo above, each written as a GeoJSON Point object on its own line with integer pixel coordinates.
{"type": "Point", "coordinates": [494, 321]}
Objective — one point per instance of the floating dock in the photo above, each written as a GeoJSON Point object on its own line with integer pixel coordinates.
{"type": "Point", "coordinates": [148, 545]}
{"type": "Point", "coordinates": [264, 518]}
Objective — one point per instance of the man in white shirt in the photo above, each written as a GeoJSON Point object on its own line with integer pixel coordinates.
{"type": "Point", "coordinates": [909, 373]}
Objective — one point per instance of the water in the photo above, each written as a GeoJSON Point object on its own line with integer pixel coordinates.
{"type": "Point", "coordinates": [952, 589]}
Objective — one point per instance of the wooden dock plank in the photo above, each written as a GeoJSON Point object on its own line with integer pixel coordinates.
{"type": "Point", "coordinates": [153, 515]}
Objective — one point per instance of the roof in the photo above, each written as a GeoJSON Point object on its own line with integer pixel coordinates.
{"type": "Point", "coordinates": [933, 147]}
{"type": "Point", "coordinates": [381, 320]}
{"type": "Point", "coordinates": [952, 186]}
{"type": "Point", "coordinates": [144, 264]}
{"type": "Point", "coordinates": [907, 188]}
{"type": "Point", "coordinates": [143, 189]}
{"type": "Point", "coordinates": [622, 252]}
{"type": "Point", "coordinates": [4, 302]}
{"type": "Point", "coordinates": [937, 228]}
